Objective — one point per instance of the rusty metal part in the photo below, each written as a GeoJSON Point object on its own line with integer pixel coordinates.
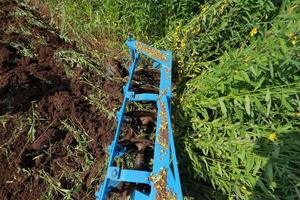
{"type": "Point", "coordinates": [164, 132]}
{"type": "Point", "coordinates": [160, 184]}
{"type": "Point", "coordinates": [154, 53]}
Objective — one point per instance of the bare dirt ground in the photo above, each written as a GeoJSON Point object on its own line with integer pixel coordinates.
{"type": "Point", "coordinates": [41, 112]}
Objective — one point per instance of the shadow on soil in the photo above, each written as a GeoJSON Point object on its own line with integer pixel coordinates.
{"type": "Point", "coordinates": [19, 98]}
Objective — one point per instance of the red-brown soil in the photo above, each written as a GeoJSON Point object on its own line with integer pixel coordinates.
{"type": "Point", "coordinates": [41, 79]}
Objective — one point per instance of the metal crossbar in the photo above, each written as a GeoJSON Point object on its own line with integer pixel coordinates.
{"type": "Point", "coordinates": [164, 178]}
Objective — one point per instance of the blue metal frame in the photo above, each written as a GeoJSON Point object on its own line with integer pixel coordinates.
{"type": "Point", "coordinates": [164, 179]}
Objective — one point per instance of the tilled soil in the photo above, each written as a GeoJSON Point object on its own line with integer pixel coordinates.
{"type": "Point", "coordinates": [36, 96]}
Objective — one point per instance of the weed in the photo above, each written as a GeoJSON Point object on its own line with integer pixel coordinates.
{"type": "Point", "coordinates": [74, 59]}
{"type": "Point", "coordinates": [54, 187]}
{"type": "Point", "coordinates": [24, 51]}
{"type": "Point", "coordinates": [31, 19]}
{"type": "Point", "coordinates": [32, 120]}
{"type": "Point", "coordinates": [17, 127]}
{"type": "Point", "coordinates": [99, 99]}
{"type": "Point", "coordinates": [3, 120]}
{"type": "Point", "coordinates": [17, 29]}
{"type": "Point", "coordinates": [82, 140]}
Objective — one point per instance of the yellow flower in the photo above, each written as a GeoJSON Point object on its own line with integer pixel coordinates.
{"type": "Point", "coordinates": [182, 44]}
{"type": "Point", "coordinates": [294, 40]}
{"type": "Point", "coordinates": [291, 35]}
{"type": "Point", "coordinates": [273, 136]}
{"type": "Point", "coordinates": [181, 99]}
{"type": "Point", "coordinates": [253, 32]}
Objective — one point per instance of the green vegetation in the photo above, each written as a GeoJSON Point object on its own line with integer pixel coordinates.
{"type": "Point", "coordinates": [250, 96]}
{"type": "Point", "coordinates": [93, 67]}
{"type": "Point", "coordinates": [237, 107]}
{"type": "Point", "coordinates": [32, 123]}
{"type": "Point", "coordinates": [147, 20]}
{"type": "Point", "coordinates": [65, 184]}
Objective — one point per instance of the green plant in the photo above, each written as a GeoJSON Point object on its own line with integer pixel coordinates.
{"type": "Point", "coordinates": [82, 140]}
{"type": "Point", "coordinates": [54, 187]}
{"type": "Point", "coordinates": [73, 59]}
{"type": "Point", "coordinates": [69, 181]}
{"type": "Point", "coordinates": [219, 27]}
{"type": "Point", "coordinates": [250, 96]}
{"type": "Point", "coordinates": [145, 20]}
{"type": "Point", "coordinates": [99, 100]}
{"type": "Point", "coordinates": [32, 123]}
{"type": "Point", "coordinates": [18, 126]}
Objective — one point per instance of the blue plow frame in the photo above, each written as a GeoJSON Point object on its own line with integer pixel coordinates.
{"type": "Point", "coordinates": [164, 178]}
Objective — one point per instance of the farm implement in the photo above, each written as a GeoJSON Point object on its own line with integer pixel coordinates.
{"type": "Point", "coordinates": [153, 173]}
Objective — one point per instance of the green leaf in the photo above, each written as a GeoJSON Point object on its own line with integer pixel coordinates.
{"type": "Point", "coordinates": [271, 69]}
{"type": "Point", "coordinates": [247, 105]}
{"type": "Point", "coordinates": [245, 76]}
{"type": "Point", "coordinates": [283, 45]}
{"type": "Point", "coordinates": [258, 105]}
{"type": "Point", "coordinates": [258, 85]}
{"type": "Point", "coordinates": [206, 164]}
{"type": "Point", "coordinates": [223, 107]}
{"type": "Point", "coordinates": [219, 169]}
{"type": "Point", "coordinates": [268, 108]}
{"type": "Point", "coordinates": [238, 77]}
{"type": "Point", "coordinates": [237, 103]}
{"type": "Point", "coordinates": [31, 133]}
{"type": "Point", "coordinates": [253, 70]}
{"type": "Point", "coordinates": [269, 172]}
{"type": "Point", "coordinates": [205, 114]}
{"type": "Point", "coordinates": [242, 155]}
{"type": "Point", "coordinates": [269, 102]}
{"type": "Point", "coordinates": [222, 87]}
{"type": "Point", "coordinates": [249, 164]}
{"type": "Point", "coordinates": [298, 192]}
{"type": "Point", "coordinates": [262, 186]}
{"type": "Point", "coordinates": [286, 104]}
{"type": "Point", "coordinates": [256, 167]}
{"type": "Point", "coordinates": [268, 95]}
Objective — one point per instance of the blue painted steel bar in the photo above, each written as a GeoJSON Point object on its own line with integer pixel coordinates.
{"type": "Point", "coordinates": [144, 97]}
{"type": "Point", "coordinates": [133, 176]}
{"type": "Point", "coordinates": [164, 178]}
